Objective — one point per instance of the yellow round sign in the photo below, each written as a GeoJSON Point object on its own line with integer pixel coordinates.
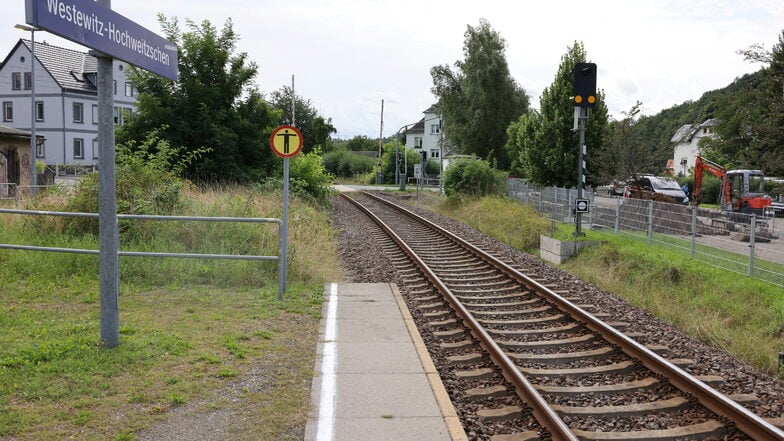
{"type": "Point", "coordinates": [286, 141]}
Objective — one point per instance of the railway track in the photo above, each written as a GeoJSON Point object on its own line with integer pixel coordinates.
{"type": "Point", "coordinates": [525, 358]}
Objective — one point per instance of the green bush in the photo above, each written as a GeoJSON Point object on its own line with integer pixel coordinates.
{"type": "Point", "coordinates": [308, 177]}
{"type": "Point", "coordinates": [473, 177]}
{"type": "Point", "coordinates": [147, 182]}
{"type": "Point", "coordinates": [346, 164]}
{"type": "Point", "coordinates": [711, 190]}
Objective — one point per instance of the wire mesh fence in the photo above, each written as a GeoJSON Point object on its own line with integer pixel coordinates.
{"type": "Point", "coordinates": [746, 244]}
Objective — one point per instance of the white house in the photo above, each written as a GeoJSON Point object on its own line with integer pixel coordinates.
{"type": "Point", "coordinates": [66, 101]}
{"type": "Point", "coordinates": [425, 135]}
{"type": "Point", "coordinates": [686, 141]}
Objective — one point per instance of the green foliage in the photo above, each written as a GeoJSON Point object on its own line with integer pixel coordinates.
{"type": "Point", "coordinates": [147, 180]}
{"type": "Point", "coordinates": [542, 145]}
{"type": "Point", "coordinates": [479, 98]}
{"type": "Point", "coordinates": [515, 224]}
{"type": "Point", "coordinates": [711, 189]}
{"type": "Point", "coordinates": [316, 131]}
{"type": "Point", "coordinates": [624, 154]}
{"type": "Point", "coordinates": [308, 176]}
{"type": "Point", "coordinates": [473, 177]}
{"type": "Point", "coordinates": [362, 143]}
{"type": "Point", "coordinates": [408, 158]}
{"type": "Point", "coordinates": [347, 164]}
{"type": "Point", "coordinates": [751, 119]}
{"type": "Point", "coordinates": [214, 104]}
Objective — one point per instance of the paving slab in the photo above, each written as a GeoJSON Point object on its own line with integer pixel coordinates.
{"type": "Point", "coordinates": [374, 378]}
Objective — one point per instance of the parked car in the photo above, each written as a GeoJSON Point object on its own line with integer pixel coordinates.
{"type": "Point", "coordinates": [617, 188]}
{"type": "Point", "coordinates": [661, 185]}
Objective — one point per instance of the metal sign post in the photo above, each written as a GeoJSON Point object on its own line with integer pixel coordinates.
{"type": "Point", "coordinates": [580, 172]}
{"type": "Point", "coordinates": [286, 142]}
{"type": "Point", "coordinates": [584, 98]}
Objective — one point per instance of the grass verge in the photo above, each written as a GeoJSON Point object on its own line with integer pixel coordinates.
{"type": "Point", "coordinates": [198, 333]}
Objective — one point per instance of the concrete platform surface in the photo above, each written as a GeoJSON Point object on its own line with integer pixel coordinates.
{"type": "Point", "coordinates": [374, 378]}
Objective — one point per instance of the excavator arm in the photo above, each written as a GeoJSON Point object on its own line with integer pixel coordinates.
{"type": "Point", "coordinates": [702, 164]}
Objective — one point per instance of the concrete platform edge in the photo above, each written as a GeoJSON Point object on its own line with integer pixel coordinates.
{"type": "Point", "coordinates": [448, 413]}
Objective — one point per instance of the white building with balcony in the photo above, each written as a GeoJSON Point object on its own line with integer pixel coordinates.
{"type": "Point", "coordinates": [66, 103]}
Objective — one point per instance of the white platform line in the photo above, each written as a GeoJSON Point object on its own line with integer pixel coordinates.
{"type": "Point", "coordinates": [329, 363]}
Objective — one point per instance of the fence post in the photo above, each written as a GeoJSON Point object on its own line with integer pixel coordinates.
{"type": "Point", "coordinates": [693, 229]}
{"type": "Point", "coordinates": [752, 240]}
{"type": "Point", "coordinates": [617, 215]}
{"type": "Point", "coordinates": [650, 222]}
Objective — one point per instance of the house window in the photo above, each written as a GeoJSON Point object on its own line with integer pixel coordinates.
{"type": "Point", "coordinates": [78, 112]}
{"type": "Point", "coordinates": [95, 113]}
{"type": "Point", "coordinates": [40, 149]}
{"type": "Point", "coordinates": [39, 110]}
{"type": "Point", "coordinates": [435, 129]}
{"type": "Point", "coordinates": [115, 87]}
{"type": "Point", "coordinates": [129, 90]}
{"type": "Point", "coordinates": [434, 153]}
{"type": "Point", "coordinates": [96, 148]}
{"type": "Point", "coordinates": [120, 114]}
{"type": "Point", "coordinates": [8, 111]}
{"type": "Point", "coordinates": [418, 142]}
{"type": "Point", "coordinates": [16, 80]}
{"type": "Point", "coordinates": [78, 148]}
{"type": "Point", "coordinates": [28, 80]}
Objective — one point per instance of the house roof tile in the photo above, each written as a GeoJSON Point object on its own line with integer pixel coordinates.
{"type": "Point", "coordinates": [72, 69]}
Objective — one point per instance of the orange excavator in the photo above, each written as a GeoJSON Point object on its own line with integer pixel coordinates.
{"type": "Point", "coordinates": [742, 191]}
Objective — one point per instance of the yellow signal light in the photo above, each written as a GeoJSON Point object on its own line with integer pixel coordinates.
{"type": "Point", "coordinates": [591, 99]}
{"type": "Point", "coordinates": [578, 99]}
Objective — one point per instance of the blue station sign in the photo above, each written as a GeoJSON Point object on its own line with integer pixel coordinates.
{"type": "Point", "coordinates": [97, 27]}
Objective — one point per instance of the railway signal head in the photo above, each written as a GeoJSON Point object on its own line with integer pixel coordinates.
{"type": "Point", "coordinates": [584, 85]}
{"type": "Point", "coordinates": [424, 156]}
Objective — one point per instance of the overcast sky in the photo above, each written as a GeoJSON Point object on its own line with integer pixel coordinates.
{"type": "Point", "coordinates": [349, 55]}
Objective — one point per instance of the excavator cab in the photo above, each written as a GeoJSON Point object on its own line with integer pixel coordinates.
{"type": "Point", "coordinates": [747, 192]}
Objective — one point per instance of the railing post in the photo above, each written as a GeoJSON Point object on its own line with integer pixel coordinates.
{"type": "Point", "coordinates": [650, 222]}
{"type": "Point", "coordinates": [617, 215]}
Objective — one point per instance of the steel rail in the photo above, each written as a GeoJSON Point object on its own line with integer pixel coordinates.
{"type": "Point", "coordinates": [748, 422]}
{"type": "Point", "coordinates": [544, 414]}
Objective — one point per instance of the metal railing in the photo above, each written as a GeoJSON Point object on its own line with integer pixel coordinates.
{"type": "Point", "coordinates": [746, 244]}
{"type": "Point", "coordinates": [281, 282]}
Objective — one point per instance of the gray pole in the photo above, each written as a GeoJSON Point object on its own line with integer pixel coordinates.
{"type": "Point", "coordinates": [284, 234]}
{"type": "Point", "coordinates": [108, 231]}
{"type": "Point", "coordinates": [580, 170]}
{"type": "Point", "coordinates": [33, 140]}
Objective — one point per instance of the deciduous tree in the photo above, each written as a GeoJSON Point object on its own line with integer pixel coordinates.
{"type": "Point", "coordinates": [479, 99]}
{"type": "Point", "coordinates": [315, 130]}
{"type": "Point", "coordinates": [214, 105]}
{"type": "Point", "coordinates": [543, 146]}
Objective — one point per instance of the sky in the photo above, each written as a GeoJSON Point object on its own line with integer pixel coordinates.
{"type": "Point", "coordinates": [347, 56]}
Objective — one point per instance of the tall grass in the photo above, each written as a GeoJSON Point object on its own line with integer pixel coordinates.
{"type": "Point", "coordinates": [508, 221]}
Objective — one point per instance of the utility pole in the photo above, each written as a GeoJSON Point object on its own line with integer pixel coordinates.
{"type": "Point", "coordinates": [379, 173]}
